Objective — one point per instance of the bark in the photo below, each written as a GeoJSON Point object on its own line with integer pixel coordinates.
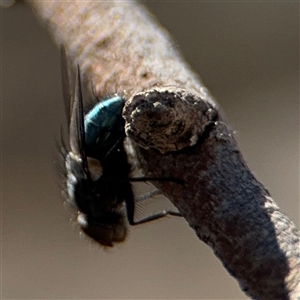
{"type": "Point", "coordinates": [177, 130]}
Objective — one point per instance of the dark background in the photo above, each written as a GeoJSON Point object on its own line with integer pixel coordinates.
{"type": "Point", "coordinates": [246, 54]}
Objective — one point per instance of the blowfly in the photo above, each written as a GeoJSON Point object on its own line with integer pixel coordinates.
{"type": "Point", "coordinates": [97, 170]}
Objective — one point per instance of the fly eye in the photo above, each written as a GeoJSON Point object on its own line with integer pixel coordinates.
{"type": "Point", "coordinates": [95, 168]}
{"type": "Point", "coordinates": [103, 232]}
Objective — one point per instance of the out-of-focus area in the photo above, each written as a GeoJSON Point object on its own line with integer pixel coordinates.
{"type": "Point", "coordinates": [247, 54]}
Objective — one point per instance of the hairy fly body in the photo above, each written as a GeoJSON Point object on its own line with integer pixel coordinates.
{"type": "Point", "coordinates": [97, 170]}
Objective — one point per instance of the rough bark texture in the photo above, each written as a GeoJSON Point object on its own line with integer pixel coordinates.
{"type": "Point", "coordinates": [178, 131]}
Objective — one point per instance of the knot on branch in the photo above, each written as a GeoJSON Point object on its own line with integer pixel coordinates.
{"type": "Point", "coordinates": [167, 119]}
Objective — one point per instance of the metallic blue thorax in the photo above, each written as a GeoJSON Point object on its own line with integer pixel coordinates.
{"type": "Point", "coordinates": [103, 123]}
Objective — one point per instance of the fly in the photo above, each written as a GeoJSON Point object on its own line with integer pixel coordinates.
{"type": "Point", "coordinates": [97, 169]}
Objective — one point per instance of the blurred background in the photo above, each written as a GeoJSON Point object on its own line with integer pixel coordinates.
{"type": "Point", "coordinates": [247, 54]}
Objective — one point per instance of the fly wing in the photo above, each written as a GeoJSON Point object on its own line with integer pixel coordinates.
{"type": "Point", "coordinates": [76, 129]}
{"type": "Point", "coordinates": [66, 82]}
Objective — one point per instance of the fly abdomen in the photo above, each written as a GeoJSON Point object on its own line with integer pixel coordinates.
{"type": "Point", "coordinates": [102, 121]}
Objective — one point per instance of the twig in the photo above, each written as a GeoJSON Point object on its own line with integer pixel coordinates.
{"type": "Point", "coordinates": [178, 131]}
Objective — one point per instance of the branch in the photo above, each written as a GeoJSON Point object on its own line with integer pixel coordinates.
{"type": "Point", "coordinates": [177, 130]}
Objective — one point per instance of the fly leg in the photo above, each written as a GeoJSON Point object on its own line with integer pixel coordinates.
{"type": "Point", "coordinates": [157, 216]}
{"type": "Point", "coordinates": [130, 207]}
{"type": "Point", "coordinates": [148, 195]}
